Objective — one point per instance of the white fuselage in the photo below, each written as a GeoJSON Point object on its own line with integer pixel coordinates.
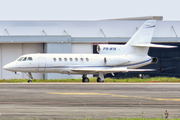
{"type": "Point", "coordinates": [64, 63]}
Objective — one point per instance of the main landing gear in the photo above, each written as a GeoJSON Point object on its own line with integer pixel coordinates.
{"type": "Point", "coordinates": [30, 77]}
{"type": "Point", "coordinates": [100, 79]}
{"type": "Point", "coordinates": [85, 79]}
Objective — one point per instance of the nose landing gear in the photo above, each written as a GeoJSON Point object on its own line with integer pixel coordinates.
{"type": "Point", "coordinates": [29, 75]}
{"type": "Point", "coordinates": [29, 81]}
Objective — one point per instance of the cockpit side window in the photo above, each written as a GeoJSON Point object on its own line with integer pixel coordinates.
{"type": "Point", "coordinates": [29, 59]}
{"type": "Point", "coordinates": [25, 59]}
{"type": "Point", "coordinates": [20, 58]}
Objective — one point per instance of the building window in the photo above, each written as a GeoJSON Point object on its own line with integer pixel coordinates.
{"type": "Point", "coordinates": [87, 59]}
{"type": "Point", "coordinates": [71, 59]}
{"type": "Point", "coordinates": [65, 59]}
{"type": "Point", "coordinates": [60, 59]}
{"type": "Point", "coordinates": [54, 59]}
{"type": "Point", "coordinates": [76, 59]}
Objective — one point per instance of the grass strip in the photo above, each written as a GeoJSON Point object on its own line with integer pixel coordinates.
{"type": "Point", "coordinates": [111, 80]}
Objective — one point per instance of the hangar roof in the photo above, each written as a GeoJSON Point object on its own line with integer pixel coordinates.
{"type": "Point", "coordinates": [111, 28]}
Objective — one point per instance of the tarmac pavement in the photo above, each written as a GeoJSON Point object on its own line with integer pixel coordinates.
{"type": "Point", "coordinates": [88, 100]}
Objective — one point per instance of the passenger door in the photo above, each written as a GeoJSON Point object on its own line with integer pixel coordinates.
{"type": "Point", "coordinates": [41, 64]}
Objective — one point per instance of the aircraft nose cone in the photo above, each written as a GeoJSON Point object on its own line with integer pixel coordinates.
{"type": "Point", "coordinates": [8, 67]}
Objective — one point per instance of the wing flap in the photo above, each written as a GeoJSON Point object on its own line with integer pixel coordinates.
{"type": "Point", "coordinates": [154, 45]}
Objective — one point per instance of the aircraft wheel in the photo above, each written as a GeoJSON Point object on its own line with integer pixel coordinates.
{"type": "Point", "coordinates": [29, 81]}
{"type": "Point", "coordinates": [86, 80]}
{"type": "Point", "coordinates": [99, 80]}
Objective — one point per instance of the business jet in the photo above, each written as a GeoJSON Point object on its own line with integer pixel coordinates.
{"type": "Point", "coordinates": [111, 58]}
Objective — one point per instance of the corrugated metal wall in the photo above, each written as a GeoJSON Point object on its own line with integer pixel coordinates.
{"type": "Point", "coordinates": [111, 28]}
{"type": "Point", "coordinates": [82, 48]}
{"type": "Point", "coordinates": [10, 52]}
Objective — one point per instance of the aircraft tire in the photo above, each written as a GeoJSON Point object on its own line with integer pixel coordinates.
{"type": "Point", "coordinates": [29, 81]}
{"type": "Point", "coordinates": [99, 80]}
{"type": "Point", "coordinates": [86, 80]}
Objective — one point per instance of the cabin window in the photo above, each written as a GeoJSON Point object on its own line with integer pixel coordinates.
{"type": "Point", "coordinates": [87, 59]}
{"type": "Point", "coordinates": [54, 59]}
{"type": "Point", "coordinates": [76, 59]}
{"type": "Point", "coordinates": [25, 59]}
{"type": "Point", "coordinates": [81, 59]}
{"type": "Point", "coordinates": [29, 59]}
{"type": "Point", "coordinates": [20, 59]}
{"type": "Point", "coordinates": [71, 59]}
{"type": "Point", "coordinates": [60, 59]}
{"type": "Point", "coordinates": [65, 59]}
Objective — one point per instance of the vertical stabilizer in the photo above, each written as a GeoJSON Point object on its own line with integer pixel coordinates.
{"type": "Point", "coordinates": [142, 36]}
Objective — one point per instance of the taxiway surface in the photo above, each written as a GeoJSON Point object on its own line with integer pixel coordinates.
{"type": "Point", "coordinates": [97, 101]}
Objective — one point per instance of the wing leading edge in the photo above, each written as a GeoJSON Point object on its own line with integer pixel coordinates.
{"type": "Point", "coordinates": [110, 70]}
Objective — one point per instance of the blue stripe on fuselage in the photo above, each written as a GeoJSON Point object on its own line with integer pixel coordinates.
{"type": "Point", "coordinates": [150, 26]}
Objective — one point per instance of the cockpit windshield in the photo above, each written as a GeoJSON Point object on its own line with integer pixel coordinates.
{"type": "Point", "coordinates": [25, 59]}
{"type": "Point", "coordinates": [20, 58]}
{"type": "Point", "coordinates": [29, 59]}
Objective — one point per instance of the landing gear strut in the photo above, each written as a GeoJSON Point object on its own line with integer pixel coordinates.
{"type": "Point", "coordinates": [30, 77]}
{"type": "Point", "coordinates": [100, 79]}
{"type": "Point", "coordinates": [85, 79]}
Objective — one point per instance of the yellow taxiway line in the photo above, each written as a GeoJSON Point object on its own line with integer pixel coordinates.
{"type": "Point", "coordinates": [113, 95]}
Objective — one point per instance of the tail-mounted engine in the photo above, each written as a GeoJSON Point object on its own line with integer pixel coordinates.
{"type": "Point", "coordinates": [154, 60]}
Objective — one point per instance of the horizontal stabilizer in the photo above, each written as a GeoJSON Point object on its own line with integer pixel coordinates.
{"type": "Point", "coordinates": [153, 45]}
{"type": "Point", "coordinates": [111, 70]}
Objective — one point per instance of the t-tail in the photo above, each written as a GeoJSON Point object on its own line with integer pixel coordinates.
{"type": "Point", "coordinates": [141, 41]}
{"type": "Point", "coordinates": [138, 44]}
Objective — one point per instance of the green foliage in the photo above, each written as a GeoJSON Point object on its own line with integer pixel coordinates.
{"type": "Point", "coordinates": [122, 80]}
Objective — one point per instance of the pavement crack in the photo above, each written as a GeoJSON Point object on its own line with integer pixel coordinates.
{"type": "Point", "coordinates": [141, 102]}
{"type": "Point", "coordinates": [86, 106]}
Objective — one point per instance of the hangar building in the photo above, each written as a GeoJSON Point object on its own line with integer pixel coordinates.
{"type": "Point", "coordinates": [24, 37]}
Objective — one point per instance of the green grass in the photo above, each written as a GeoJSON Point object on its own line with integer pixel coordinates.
{"type": "Point", "coordinates": [137, 119]}
{"type": "Point", "coordinates": [112, 80]}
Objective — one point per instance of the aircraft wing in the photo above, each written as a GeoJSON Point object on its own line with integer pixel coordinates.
{"type": "Point", "coordinates": [110, 70]}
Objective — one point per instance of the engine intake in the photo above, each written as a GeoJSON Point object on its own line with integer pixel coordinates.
{"type": "Point", "coordinates": [154, 60]}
